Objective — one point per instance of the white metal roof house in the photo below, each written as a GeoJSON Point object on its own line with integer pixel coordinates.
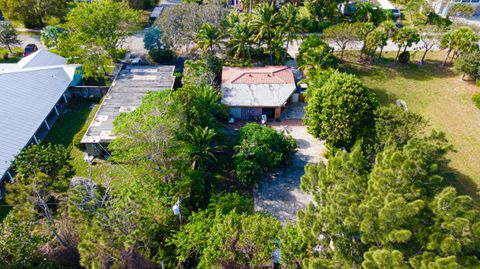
{"type": "Point", "coordinates": [32, 94]}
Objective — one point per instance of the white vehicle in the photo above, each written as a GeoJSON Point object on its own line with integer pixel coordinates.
{"type": "Point", "coordinates": [386, 5]}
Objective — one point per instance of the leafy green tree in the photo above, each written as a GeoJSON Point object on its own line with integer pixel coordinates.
{"type": "Point", "coordinates": [19, 246]}
{"type": "Point", "coordinates": [197, 73]}
{"type": "Point", "coordinates": [104, 23]}
{"type": "Point", "coordinates": [149, 133]}
{"type": "Point", "coordinates": [405, 38]}
{"type": "Point", "coordinates": [49, 35]}
{"type": "Point", "coordinates": [321, 9]}
{"type": "Point", "coordinates": [8, 35]}
{"type": "Point", "coordinates": [342, 34]}
{"type": "Point", "coordinates": [265, 23]}
{"type": "Point", "coordinates": [363, 30]}
{"type": "Point", "coordinates": [228, 239]}
{"type": "Point", "coordinates": [240, 43]}
{"type": "Point", "coordinates": [291, 26]}
{"type": "Point", "coordinates": [123, 222]}
{"type": "Point", "coordinates": [157, 50]}
{"type": "Point", "coordinates": [469, 64]}
{"type": "Point", "coordinates": [95, 32]}
{"type": "Point", "coordinates": [459, 41]}
{"type": "Point", "coordinates": [33, 13]}
{"type": "Point", "coordinates": [32, 197]}
{"type": "Point", "coordinates": [153, 39]}
{"type": "Point", "coordinates": [341, 110]}
{"type": "Point", "coordinates": [367, 12]}
{"type": "Point", "coordinates": [394, 124]}
{"type": "Point", "coordinates": [375, 39]}
{"type": "Point", "coordinates": [52, 160]}
{"type": "Point", "coordinates": [292, 247]}
{"type": "Point", "coordinates": [208, 37]}
{"type": "Point", "coordinates": [261, 149]}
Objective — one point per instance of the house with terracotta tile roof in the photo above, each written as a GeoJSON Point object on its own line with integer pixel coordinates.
{"type": "Point", "coordinates": [255, 91]}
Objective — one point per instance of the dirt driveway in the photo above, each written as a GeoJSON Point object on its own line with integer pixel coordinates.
{"type": "Point", "coordinates": [279, 193]}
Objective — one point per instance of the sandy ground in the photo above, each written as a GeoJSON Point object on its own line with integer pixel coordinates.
{"type": "Point", "coordinates": [279, 193]}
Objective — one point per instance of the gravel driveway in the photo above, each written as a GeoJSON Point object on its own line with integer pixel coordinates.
{"type": "Point", "coordinates": [279, 193]}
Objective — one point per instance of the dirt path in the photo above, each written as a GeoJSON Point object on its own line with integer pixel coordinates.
{"type": "Point", "coordinates": [279, 193]}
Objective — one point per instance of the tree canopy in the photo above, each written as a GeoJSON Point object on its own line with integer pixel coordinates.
{"type": "Point", "coordinates": [94, 32]}
{"type": "Point", "coordinates": [341, 110]}
{"type": "Point", "coordinates": [33, 13]}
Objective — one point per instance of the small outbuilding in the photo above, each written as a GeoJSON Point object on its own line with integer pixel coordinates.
{"type": "Point", "coordinates": [125, 95]}
{"type": "Point", "coordinates": [252, 92]}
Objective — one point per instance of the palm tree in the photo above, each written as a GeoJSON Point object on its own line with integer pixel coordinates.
{"type": "Point", "coordinates": [208, 107]}
{"type": "Point", "coordinates": [291, 25]}
{"type": "Point", "coordinates": [265, 22]}
{"type": "Point", "coordinates": [200, 146]}
{"type": "Point", "coordinates": [232, 19]}
{"type": "Point", "coordinates": [240, 42]}
{"type": "Point", "coordinates": [208, 37]}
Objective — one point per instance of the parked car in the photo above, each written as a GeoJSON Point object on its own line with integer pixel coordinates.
{"type": "Point", "coordinates": [29, 49]}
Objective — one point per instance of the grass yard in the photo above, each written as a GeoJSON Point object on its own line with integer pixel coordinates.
{"type": "Point", "coordinates": [13, 57]}
{"type": "Point", "coordinates": [440, 96]}
{"type": "Point", "coordinates": [68, 124]}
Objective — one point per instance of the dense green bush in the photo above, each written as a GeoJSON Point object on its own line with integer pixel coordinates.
{"type": "Point", "coordinates": [261, 149]}
{"type": "Point", "coordinates": [52, 160]}
{"type": "Point", "coordinates": [340, 109]}
{"type": "Point", "coordinates": [404, 57]}
{"type": "Point", "coordinates": [161, 56]}
{"type": "Point", "coordinates": [469, 64]}
{"type": "Point", "coordinates": [476, 99]}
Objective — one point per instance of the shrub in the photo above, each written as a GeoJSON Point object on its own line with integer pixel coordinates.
{"type": "Point", "coordinates": [469, 64]}
{"type": "Point", "coordinates": [161, 56]}
{"type": "Point", "coordinates": [476, 100]}
{"type": "Point", "coordinates": [261, 149]}
{"type": "Point", "coordinates": [404, 57]}
{"type": "Point", "coordinates": [340, 109]}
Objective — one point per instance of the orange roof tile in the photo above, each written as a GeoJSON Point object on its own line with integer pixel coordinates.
{"type": "Point", "coordinates": [257, 75]}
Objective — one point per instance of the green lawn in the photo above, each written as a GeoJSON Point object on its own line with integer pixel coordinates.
{"type": "Point", "coordinates": [77, 114]}
{"type": "Point", "coordinates": [442, 97]}
{"type": "Point", "coordinates": [70, 122]}
{"type": "Point", "coordinates": [13, 57]}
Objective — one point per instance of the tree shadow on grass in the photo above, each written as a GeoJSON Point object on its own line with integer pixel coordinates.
{"type": "Point", "coordinates": [383, 96]}
{"type": "Point", "coordinates": [464, 184]}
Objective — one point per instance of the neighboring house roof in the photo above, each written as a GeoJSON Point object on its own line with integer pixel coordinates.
{"type": "Point", "coordinates": [41, 58]}
{"type": "Point", "coordinates": [269, 86]}
{"type": "Point", "coordinates": [125, 95]}
{"type": "Point", "coordinates": [28, 95]}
